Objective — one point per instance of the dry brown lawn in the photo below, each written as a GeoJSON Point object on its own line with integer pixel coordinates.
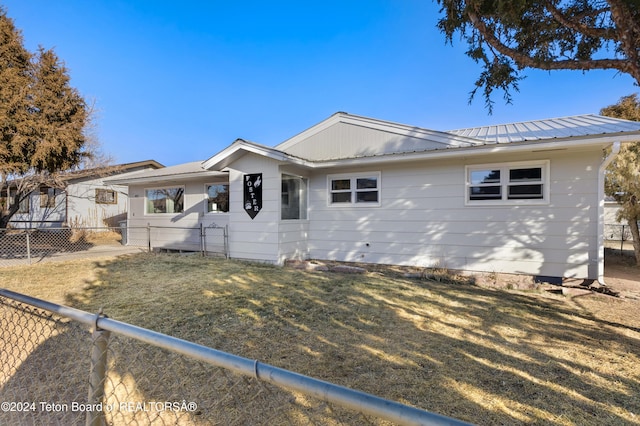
{"type": "Point", "coordinates": [482, 355]}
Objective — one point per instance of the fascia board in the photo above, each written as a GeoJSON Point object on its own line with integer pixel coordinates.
{"type": "Point", "coordinates": [445, 153]}
{"type": "Point", "coordinates": [179, 177]}
{"type": "Point", "coordinates": [240, 147]}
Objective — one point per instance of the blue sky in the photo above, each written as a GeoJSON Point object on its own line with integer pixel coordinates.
{"type": "Point", "coordinates": [177, 81]}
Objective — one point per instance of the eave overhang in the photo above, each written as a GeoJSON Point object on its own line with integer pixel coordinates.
{"type": "Point", "coordinates": [240, 148]}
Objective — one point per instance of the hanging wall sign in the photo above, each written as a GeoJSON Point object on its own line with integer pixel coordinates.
{"type": "Point", "coordinates": [253, 194]}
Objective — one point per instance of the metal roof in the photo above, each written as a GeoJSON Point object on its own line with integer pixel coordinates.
{"type": "Point", "coordinates": [553, 128]}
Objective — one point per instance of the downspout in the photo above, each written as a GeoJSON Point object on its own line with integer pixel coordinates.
{"type": "Point", "coordinates": [615, 149]}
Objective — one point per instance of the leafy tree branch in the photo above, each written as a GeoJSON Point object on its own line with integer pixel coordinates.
{"type": "Point", "coordinates": [508, 37]}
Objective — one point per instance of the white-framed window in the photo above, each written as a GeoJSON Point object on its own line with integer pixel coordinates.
{"type": "Point", "coordinates": [357, 189]}
{"type": "Point", "coordinates": [293, 198]}
{"type": "Point", "coordinates": [217, 198]}
{"type": "Point", "coordinates": [164, 200]}
{"type": "Point", "coordinates": [524, 182]}
{"type": "Point", "coordinates": [106, 196]}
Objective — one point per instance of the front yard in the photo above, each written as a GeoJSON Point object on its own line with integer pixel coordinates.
{"type": "Point", "coordinates": [482, 355]}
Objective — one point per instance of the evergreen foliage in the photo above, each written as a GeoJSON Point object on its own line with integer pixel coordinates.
{"type": "Point", "coordinates": [42, 120]}
{"type": "Point", "coordinates": [508, 36]}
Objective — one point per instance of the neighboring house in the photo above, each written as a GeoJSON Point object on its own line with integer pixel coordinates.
{"type": "Point", "coordinates": [524, 198]}
{"type": "Point", "coordinates": [611, 209]}
{"type": "Point", "coordinates": [86, 201]}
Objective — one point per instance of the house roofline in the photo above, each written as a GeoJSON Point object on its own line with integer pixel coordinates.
{"type": "Point", "coordinates": [443, 138]}
{"type": "Point", "coordinates": [110, 170]}
{"type": "Point", "coordinates": [485, 149]}
{"type": "Point", "coordinates": [175, 178]}
{"type": "Point", "coordinates": [177, 173]}
{"type": "Point", "coordinates": [240, 147]}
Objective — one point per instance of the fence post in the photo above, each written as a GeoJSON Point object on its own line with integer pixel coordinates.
{"type": "Point", "coordinates": [203, 241]}
{"type": "Point", "coordinates": [149, 237]}
{"type": "Point", "coordinates": [97, 374]}
{"type": "Point", "coordinates": [28, 246]}
{"type": "Point", "coordinates": [225, 238]}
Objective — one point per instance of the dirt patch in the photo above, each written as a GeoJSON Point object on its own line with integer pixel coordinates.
{"type": "Point", "coordinates": [622, 275]}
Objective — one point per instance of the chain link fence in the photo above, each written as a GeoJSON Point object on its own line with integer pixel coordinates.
{"type": "Point", "coordinates": [618, 236]}
{"type": "Point", "coordinates": [65, 366]}
{"type": "Point", "coordinates": [31, 246]}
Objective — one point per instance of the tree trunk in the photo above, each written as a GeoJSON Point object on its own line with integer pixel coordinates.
{"type": "Point", "coordinates": [635, 234]}
{"type": "Point", "coordinates": [6, 215]}
{"type": "Point", "coordinates": [4, 220]}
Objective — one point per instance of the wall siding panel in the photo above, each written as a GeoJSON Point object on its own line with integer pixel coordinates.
{"type": "Point", "coordinates": [423, 220]}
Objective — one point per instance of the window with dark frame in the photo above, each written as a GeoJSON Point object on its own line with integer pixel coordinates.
{"type": "Point", "coordinates": [506, 182]}
{"type": "Point", "coordinates": [106, 196]}
{"type": "Point", "coordinates": [360, 189]}
{"type": "Point", "coordinates": [164, 200]}
{"type": "Point", "coordinates": [293, 198]}
{"type": "Point", "coordinates": [25, 203]}
{"type": "Point", "coordinates": [218, 198]}
{"type": "Point", "coordinates": [48, 197]}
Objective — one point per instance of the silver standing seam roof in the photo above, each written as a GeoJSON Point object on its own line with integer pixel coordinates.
{"type": "Point", "coordinates": [553, 128]}
{"type": "Point", "coordinates": [401, 140]}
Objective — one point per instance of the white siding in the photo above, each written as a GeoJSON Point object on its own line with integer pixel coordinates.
{"type": "Point", "coordinates": [293, 240]}
{"type": "Point", "coordinates": [257, 238]}
{"type": "Point", "coordinates": [177, 229]}
{"type": "Point", "coordinates": [343, 140]}
{"type": "Point", "coordinates": [83, 211]}
{"type": "Point", "coordinates": [423, 221]}
{"type": "Point", "coordinates": [41, 217]}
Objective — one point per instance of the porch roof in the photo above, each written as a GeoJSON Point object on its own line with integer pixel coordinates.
{"type": "Point", "coordinates": [171, 174]}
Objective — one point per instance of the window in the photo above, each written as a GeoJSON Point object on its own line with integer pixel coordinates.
{"type": "Point", "coordinates": [106, 196]}
{"type": "Point", "coordinates": [217, 198]}
{"type": "Point", "coordinates": [48, 197]}
{"type": "Point", "coordinates": [358, 189]}
{"type": "Point", "coordinates": [293, 200]}
{"type": "Point", "coordinates": [525, 182]}
{"type": "Point", "coordinates": [164, 200]}
{"type": "Point", "coordinates": [24, 204]}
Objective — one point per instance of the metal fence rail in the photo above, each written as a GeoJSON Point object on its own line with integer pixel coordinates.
{"type": "Point", "coordinates": [138, 376]}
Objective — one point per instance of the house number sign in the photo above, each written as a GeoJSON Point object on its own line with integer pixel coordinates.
{"type": "Point", "coordinates": [253, 194]}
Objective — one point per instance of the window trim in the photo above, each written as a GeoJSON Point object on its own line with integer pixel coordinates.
{"type": "Point", "coordinates": [98, 200]}
{"type": "Point", "coordinates": [48, 197]}
{"type": "Point", "coordinates": [504, 183]}
{"type": "Point", "coordinates": [353, 190]}
{"type": "Point", "coordinates": [206, 198]}
{"type": "Point", "coordinates": [146, 200]}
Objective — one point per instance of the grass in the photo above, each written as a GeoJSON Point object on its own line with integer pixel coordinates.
{"type": "Point", "coordinates": [482, 355]}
